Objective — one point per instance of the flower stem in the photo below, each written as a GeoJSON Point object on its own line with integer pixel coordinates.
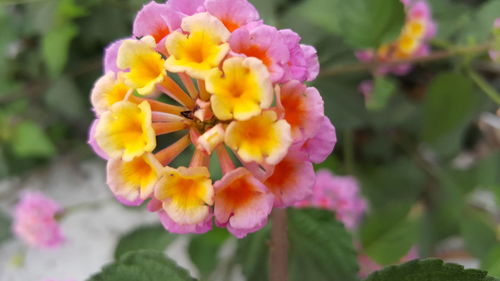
{"type": "Point", "coordinates": [438, 55]}
{"type": "Point", "coordinates": [278, 252]}
{"type": "Point", "coordinates": [484, 86]}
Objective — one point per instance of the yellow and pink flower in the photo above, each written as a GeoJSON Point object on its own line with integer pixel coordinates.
{"type": "Point", "coordinates": [239, 97]}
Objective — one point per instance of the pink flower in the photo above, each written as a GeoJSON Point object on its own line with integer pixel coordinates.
{"type": "Point", "coordinates": [368, 266]}
{"type": "Point", "coordinates": [263, 42]}
{"type": "Point", "coordinates": [35, 222]}
{"type": "Point", "coordinates": [312, 61]}
{"type": "Point", "coordinates": [296, 67]}
{"type": "Point", "coordinates": [339, 194]}
{"type": "Point", "coordinates": [495, 53]}
{"type": "Point", "coordinates": [322, 143]}
{"type": "Point", "coordinates": [232, 13]}
{"type": "Point", "coordinates": [156, 20]}
{"type": "Point", "coordinates": [174, 227]}
{"type": "Point", "coordinates": [110, 55]}
{"type": "Point", "coordinates": [93, 143]}
{"type": "Point", "coordinates": [242, 202]}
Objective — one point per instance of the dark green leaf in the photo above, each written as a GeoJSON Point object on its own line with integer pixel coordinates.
{"type": "Point", "coordinates": [388, 234]}
{"type": "Point", "coordinates": [370, 23]}
{"type": "Point", "coordinates": [320, 247]}
{"type": "Point", "coordinates": [449, 102]}
{"type": "Point", "coordinates": [143, 265]}
{"type": "Point", "coordinates": [203, 250]}
{"type": "Point", "coordinates": [429, 270]}
{"type": "Point", "coordinates": [29, 140]}
{"type": "Point", "coordinates": [153, 237]}
{"type": "Point", "coordinates": [383, 89]}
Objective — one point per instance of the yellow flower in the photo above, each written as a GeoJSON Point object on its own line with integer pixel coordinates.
{"type": "Point", "coordinates": [145, 64]}
{"type": "Point", "coordinates": [263, 138]}
{"type": "Point", "coordinates": [125, 130]}
{"type": "Point", "coordinates": [186, 194]}
{"type": "Point", "coordinates": [134, 179]}
{"type": "Point", "coordinates": [212, 138]}
{"type": "Point", "coordinates": [415, 29]}
{"type": "Point", "coordinates": [242, 90]}
{"type": "Point", "coordinates": [108, 90]}
{"type": "Point", "coordinates": [202, 49]}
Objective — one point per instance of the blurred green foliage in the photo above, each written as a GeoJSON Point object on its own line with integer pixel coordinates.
{"type": "Point", "coordinates": [406, 145]}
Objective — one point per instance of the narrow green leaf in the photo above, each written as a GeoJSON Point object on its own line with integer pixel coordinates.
{"type": "Point", "coordinates": [429, 270]}
{"type": "Point", "coordinates": [370, 23]}
{"type": "Point", "coordinates": [55, 47]}
{"type": "Point", "coordinates": [153, 237]}
{"type": "Point", "coordinates": [388, 234]}
{"type": "Point", "coordinates": [142, 265]}
{"type": "Point", "coordinates": [383, 89]}
{"type": "Point", "coordinates": [203, 250]}
{"type": "Point", "coordinates": [449, 101]}
{"type": "Point", "coordinates": [29, 140]}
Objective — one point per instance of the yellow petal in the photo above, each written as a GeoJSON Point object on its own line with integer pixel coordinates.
{"type": "Point", "coordinates": [108, 90]}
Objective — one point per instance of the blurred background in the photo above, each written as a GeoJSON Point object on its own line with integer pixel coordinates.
{"type": "Point", "coordinates": [425, 148]}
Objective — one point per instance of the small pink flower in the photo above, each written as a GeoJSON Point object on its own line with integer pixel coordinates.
{"type": "Point", "coordinates": [296, 68]}
{"type": "Point", "coordinates": [93, 143]}
{"type": "Point", "coordinates": [495, 54]}
{"type": "Point", "coordinates": [263, 42]}
{"type": "Point", "coordinates": [174, 227]}
{"type": "Point", "coordinates": [35, 222]}
{"type": "Point", "coordinates": [312, 61]}
{"type": "Point", "coordinates": [322, 143]}
{"type": "Point", "coordinates": [339, 194]}
{"type": "Point", "coordinates": [242, 202]}
{"type": "Point", "coordinates": [110, 55]}
{"type": "Point", "coordinates": [156, 20]}
{"type": "Point", "coordinates": [232, 13]}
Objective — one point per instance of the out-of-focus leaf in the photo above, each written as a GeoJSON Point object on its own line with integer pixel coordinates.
{"type": "Point", "coordinates": [383, 89]}
{"type": "Point", "coordinates": [252, 254]}
{"type": "Point", "coordinates": [320, 247]}
{"type": "Point", "coordinates": [323, 13]}
{"type": "Point", "coordinates": [491, 262]}
{"type": "Point", "coordinates": [429, 270]}
{"type": "Point", "coordinates": [64, 98]}
{"type": "Point", "coordinates": [478, 232]}
{"type": "Point", "coordinates": [142, 265]}
{"type": "Point", "coordinates": [55, 47]}
{"type": "Point", "coordinates": [370, 23]}
{"type": "Point", "coordinates": [29, 140]}
{"type": "Point", "coordinates": [4, 227]}
{"type": "Point", "coordinates": [144, 238]}
{"type": "Point", "coordinates": [203, 250]}
{"type": "Point", "coordinates": [267, 9]}
{"type": "Point", "coordinates": [388, 234]}
{"type": "Point", "coordinates": [482, 22]}
{"type": "Point", "coordinates": [449, 101]}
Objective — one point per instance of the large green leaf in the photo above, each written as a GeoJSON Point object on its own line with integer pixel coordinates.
{"type": "Point", "coordinates": [449, 102]}
{"type": "Point", "coordinates": [491, 262]}
{"type": "Point", "coordinates": [64, 98]}
{"type": "Point", "coordinates": [55, 47]}
{"type": "Point", "coordinates": [144, 265]}
{"type": "Point", "coordinates": [320, 247]}
{"type": "Point", "coordinates": [478, 232]}
{"type": "Point", "coordinates": [153, 237]}
{"type": "Point", "coordinates": [387, 235]}
{"type": "Point", "coordinates": [203, 250]}
{"type": "Point", "coordinates": [29, 140]}
{"type": "Point", "coordinates": [429, 270]}
{"type": "Point", "coordinates": [369, 23]}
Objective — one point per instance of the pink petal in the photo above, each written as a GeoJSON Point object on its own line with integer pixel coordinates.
{"type": "Point", "coordinates": [93, 143]}
{"type": "Point", "coordinates": [322, 144]}
{"type": "Point", "coordinates": [151, 21]}
{"type": "Point", "coordinates": [297, 67]}
{"type": "Point", "coordinates": [312, 61]}
{"type": "Point", "coordinates": [187, 7]}
{"type": "Point", "coordinates": [174, 227]}
{"type": "Point", "coordinates": [110, 55]}
{"type": "Point", "coordinates": [233, 13]}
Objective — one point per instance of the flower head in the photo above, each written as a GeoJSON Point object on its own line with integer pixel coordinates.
{"type": "Point", "coordinates": [35, 220]}
{"type": "Point", "coordinates": [239, 97]}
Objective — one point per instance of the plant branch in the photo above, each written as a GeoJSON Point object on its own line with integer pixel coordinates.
{"type": "Point", "coordinates": [484, 86]}
{"type": "Point", "coordinates": [278, 252]}
{"type": "Point", "coordinates": [438, 55]}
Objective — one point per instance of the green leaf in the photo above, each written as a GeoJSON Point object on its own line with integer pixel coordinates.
{"type": "Point", "coordinates": [55, 47]}
{"type": "Point", "coordinates": [252, 254]}
{"type": "Point", "coordinates": [63, 97]}
{"type": "Point", "coordinates": [491, 262]}
{"type": "Point", "coordinates": [142, 265]}
{"type": "Point", "coordinates": [29, 140]}
{"type": "Point", "coordinates": [429, 270]}
{"type": "Point", "coordinates": [203, 250]}
{"type": "Point", "coordinates": [449, 102]}
{"type": "Point", "coordinates": [320, 247]}
{"type": "Point", "coordinates": [4, 227]}
{"type": "Point", "coordinates": [370, 23]}
{"type": "Point", "coordinates": [478, 232]}
{"type": "Point", "coordinates": [322, 13]}
{"type": "Point", "coordinates": [153, 237]}
{"type": "Point", "coordinates": [388, 234]}
{"type": "Point", "coordinates": [383, 89]}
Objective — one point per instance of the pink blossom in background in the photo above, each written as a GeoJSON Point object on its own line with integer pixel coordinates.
{"type": "Point", "coordinates": [495, 53]}
{"type": "Point", "coordinates": [339, 194]}
{"type": "Point", "coordinates": [368, 266]}
{"type": "Point", "coordinates": [35, 222]}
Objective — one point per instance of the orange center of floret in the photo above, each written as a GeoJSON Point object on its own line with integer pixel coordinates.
{"type": "Point", "coordinates": [238, 193]}
{"type": "Point", "coordinates": [296, 112]}
{"type": "Point", "coordinates": [283, 172]}
{"type": "Point", "coordinates": [230, 25]}
{"type": "Point", "coordinates": [161, 32]}
{"type": "Point", "coordinates": [257, 52]}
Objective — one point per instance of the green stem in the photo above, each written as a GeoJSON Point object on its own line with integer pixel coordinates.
{"type": "Point", "coordinates": [484, 86]}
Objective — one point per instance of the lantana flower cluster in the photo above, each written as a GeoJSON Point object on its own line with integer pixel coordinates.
{"type": "Point", "coordinates": [418, 29]}
{"type": "Point", "coordinates": [241, 98]}
{"type": "Point", "coordinates": [340, 194]}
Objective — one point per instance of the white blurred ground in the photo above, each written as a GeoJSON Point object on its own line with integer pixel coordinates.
{"type": "Point", "coordinates": [91, 233]}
